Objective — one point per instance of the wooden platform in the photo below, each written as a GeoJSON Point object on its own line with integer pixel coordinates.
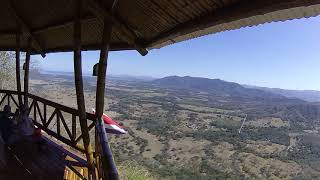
{"type": "Point", "coordinates": [26, 161]}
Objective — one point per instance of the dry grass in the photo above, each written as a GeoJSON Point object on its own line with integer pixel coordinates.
{"type": "Point", "coordinates": [268, 122]}
{"type": "Point", "coordinates": [154, 145]}
{"type": "Point", "coordinates": [253, 166]}
{"type": "Point", "coordinates": [265, 147]}
{"type": "Point", "coordinates": [131, 170]}
{"type": "Point", "coordinates": [186, 151]}
{"type": "Point", "coordinates": [204, 109]}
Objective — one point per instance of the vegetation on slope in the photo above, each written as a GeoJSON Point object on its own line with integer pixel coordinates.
{"type": "Point", "coordinates": [131, 170]}
{"type": "Point", "coordinates": [181, 133]}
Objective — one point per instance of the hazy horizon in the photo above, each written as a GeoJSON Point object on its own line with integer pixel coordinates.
{"type": "Point", "coordinates": [145, 77]}
{"type": "Point", "coordinates": [277, 55]}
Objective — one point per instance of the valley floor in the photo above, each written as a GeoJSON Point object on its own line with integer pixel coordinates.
{"type": "Point", "coordinates": [183, 135]}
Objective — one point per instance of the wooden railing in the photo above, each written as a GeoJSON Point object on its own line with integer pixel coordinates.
{"type": "Point", "coordinates": [55, 119]}
{"type": "Point", "coordinates": [61, 122]}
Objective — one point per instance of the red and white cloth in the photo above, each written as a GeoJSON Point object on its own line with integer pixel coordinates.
{"type": "Point", "coordinates": [110, 125]}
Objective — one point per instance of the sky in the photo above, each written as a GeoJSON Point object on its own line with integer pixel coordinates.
{"type": "Point", "coordinates": [278, 55]}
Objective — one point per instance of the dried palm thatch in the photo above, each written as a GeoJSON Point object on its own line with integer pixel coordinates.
{"type": "Point", "coordinates": [137, 24]}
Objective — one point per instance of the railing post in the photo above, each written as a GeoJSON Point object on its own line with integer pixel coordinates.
{"type": "Point", "coordinates": [108, 169]}
{"type": "Point", "coordinates": [100, 92]}
{"type": "Point", "coordinates": [8, 99]}
{"type": "Point", "coordinates": [18, 80]}
{"type": "Point", "coordinates": [79, 86]}
{"type": "Point", "coordinates": [26, 72]}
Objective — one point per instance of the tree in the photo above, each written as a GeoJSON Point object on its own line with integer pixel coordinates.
{"type": "Point", "coordinates": [7, 70]}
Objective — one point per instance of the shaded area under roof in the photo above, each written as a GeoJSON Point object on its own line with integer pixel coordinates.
{"type": "Point", "coordinates": [138, 24]}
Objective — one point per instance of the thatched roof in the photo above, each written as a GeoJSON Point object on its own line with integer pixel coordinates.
{"type": "Point", "coordinates": [138, 24]}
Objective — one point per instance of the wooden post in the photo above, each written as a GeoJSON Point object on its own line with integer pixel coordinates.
{"type": "Point", "coordinates": [102, 67]}
{"type": "Point", "coordinates": [18, 80]}
{"type": "Point", "coordinates": [26, 73]}
{"type": "Point", "coordinates": [100, 92]}
{"type": "Point", "coordinates": [79, 86]}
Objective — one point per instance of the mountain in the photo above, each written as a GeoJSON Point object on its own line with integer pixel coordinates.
{"type": "Point", "coordinates": [130, 77]}
{"type": "Point", "coordinates": [307, 95]}
{"type": "Point", "coordinates": [220, 88]}
{"type": "Point", "coordinates": [255, 102]}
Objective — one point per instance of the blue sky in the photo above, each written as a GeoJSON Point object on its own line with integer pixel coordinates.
{"type": "Point", "coordinates": [283, 55]}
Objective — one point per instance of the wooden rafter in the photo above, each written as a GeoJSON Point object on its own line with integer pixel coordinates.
{"type": "Point", "coordinates": [25, 29]}
{"type": "Point", "coordinates": [61, 25]}
{"type": "Point", "coordinates": [49, 27]}
{"type": "Point", "coordinates": [7, 33]}
{"type": "Point", "coordinates": [128, 34]}
{"type": "Point", "coordinates": [227, 14]}
{"type": "Point", "coordinates": [191, 21]}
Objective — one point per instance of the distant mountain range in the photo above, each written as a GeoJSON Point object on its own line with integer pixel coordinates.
{"type": "Point", "coordinates": [111, 76]}
{"type": "Point", "coordinates": [293, 106]}
{"type": "Point", "coordinates": [224, 88]}
{"type": "Point", "coordinates": [307, 95]}
{"type": "Point", "coordinates": [213, 86]}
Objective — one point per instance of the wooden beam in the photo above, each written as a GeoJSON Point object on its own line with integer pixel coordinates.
{"type": "Point", "coordinates": [109, 169]}
{"type": "Point", "coordinates": [61, 107]}
{"type": "Point", "coordinates": [62, 24]}
{"type": "Point", "coordinates": [65, 151]}
{"type": "Point", "coordinates": [91, 47]}
{"type": "Point", "coordinates": [26, 73]}
{"type": "Point", "coordinates": [116, 47]}
{"type": "Point", "coordinates": [49, 27]}
{"type": "Point", "coordinates": [227, 14]}
{"type": "Point", "coordinates": [125, 31]}
{"type": "Point", "coordinates": [18, 79]}
{"type": "Point", "coordinates": [25, 29]}
{"type": "Point", "coordinates": [79, 85]}
{"type": "Point", "coordinates": [8, 32]}
{"type": "Point", "coordinates": [102, 67]}
{"type": "Point", "coordinates": [60, 138]}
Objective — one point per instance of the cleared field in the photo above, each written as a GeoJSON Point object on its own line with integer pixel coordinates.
{"type": "Point", "coordinates": [268, 122]}
{"type": "Point", "coordinates": [253, 166]}
{"type": "Point", "coordinates": [173, 133]}
{"type": "Point", "coordinates": [265, 147]}
{"type": "Point", "coordinates": [205, 109]}
{"type": "Point", "coordinates": [186, 151]}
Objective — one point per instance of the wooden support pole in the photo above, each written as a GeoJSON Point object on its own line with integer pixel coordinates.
{"type": "Point", "coordinates": [18, 80]}
{"type": "Point", "coordinates": [26, 73]}
{"type": "Point", "coordinates": [79, 86]}
{"type": "Point", "coordinates": [100, 92]}
{"type": "Point", "coordinates": [127, 33]}
{"type": "Point", "coordinates": [25, 28]}
{"type": "Point", "coordinates": [102, 67]}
